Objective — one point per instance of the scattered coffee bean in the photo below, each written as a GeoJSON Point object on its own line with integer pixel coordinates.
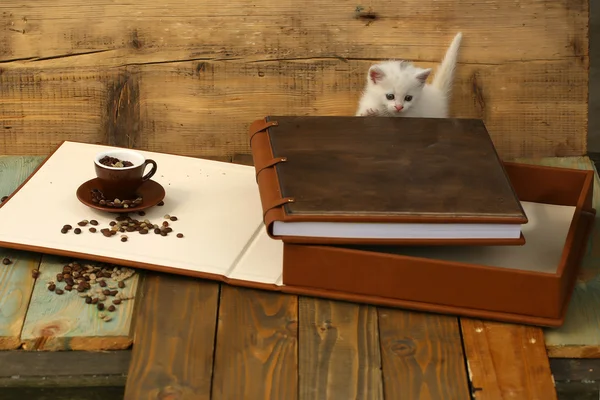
{"type": "Point", "coordinates": [58, 291]}
{"type": "Point", "coordinates": [106, 292]}
{"type": "Point", "coordinates": [113, 292]}
{"type": "Point", "coordinates": [60, 277]}
{"type": "Point", "coordinates": [167, 216]}
{"type": "Point", "coordinates": [124, 239]}
{"type": "Point", "coordinates": [180, 235]}
{"type": "Point", "coordinates": [143, 231]}
{"type": "Point", "coordinates": [173, 218]}
{"type": "Point", "coordinates": [93, 230]}
{"type": "Point", "coordinates": [69, 287]}
{"type": "Point", "coordinates": [3, 199]}
{"type": "Point", "coordinates": [163, 233]}
{"type": "Point", "coordinates": [102, 283]}
{"type": "Point", "coordinates": [51, 287]}
{"type": "Point", "coordinates": [161, 203]}
{"type": "Point", "coordinates": [121, 284]}
{"type": "Point", "coordinates": [82, 223]}
{"type": "Point", "coordinates": [77, 231]}
{"type": "Point", "coordinates": [157, 231]}
{"type": "Point", "coordinates": [93, 222]}
{"type": "Point", "coordinates": [100, 306]}
{"type": "Point", "coordinates": [63, 230]}
{"type": "Point", "coordinates": [6, 261]}
{"type": "Point", "coordinates": [111, 308]}
{"type": "Point", "coordinates": [165, 224]}
{"type": "Point", "coordinates": [141, 213]}
{"type": "Point", "coordinates": [35, 273]}
{"type": "Point", "coordinates": [88, 300]}
{"type": "Point", "coordinates": [94, 300]}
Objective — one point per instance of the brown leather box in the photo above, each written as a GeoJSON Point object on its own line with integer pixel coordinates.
{"type": "Point", "coordinates": [421, 279]}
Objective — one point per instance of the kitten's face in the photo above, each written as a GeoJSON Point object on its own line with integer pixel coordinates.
{"type": "Point", "coordinates": [397, 85]}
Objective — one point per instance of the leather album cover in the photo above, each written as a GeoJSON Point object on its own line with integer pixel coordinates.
{"type": "Point", "coordinates": [529, 284]}
{"type": "Point", "coordinates": [352, 180]}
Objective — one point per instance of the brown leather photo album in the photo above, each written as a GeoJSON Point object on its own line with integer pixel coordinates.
{"type": "Point", "coordinates": [350, 180]}
{"type": "Point", "coordinates": [529, 284]}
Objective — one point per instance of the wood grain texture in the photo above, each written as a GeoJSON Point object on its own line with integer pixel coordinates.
{"type": "Point", "coordinates": [66, 322]}
{"type": "Point", "coordinates": [194, 76]}
{"type": "Point", "coordinates": [339, 355]}
{"type": "Point", "coordinates": [507, 361]}
{"type": "Point", "coordinates": [16, 281]}
{"type": "Point", "coordinates": [257, 345]}
{"type": "Point", "coordinates": [205, 108]}
{"type": "Point", "coordinates": [422, 356]}
{"type": "Point", "coordinates": [147, 31]}
{"type": "Point", "coordinates": [579, 337]}
{"type": "Point", "coordinates": [172, 356]}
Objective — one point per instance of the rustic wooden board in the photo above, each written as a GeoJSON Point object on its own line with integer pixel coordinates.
{"type": "Point", "coordinates": [66, 322]}
{"type": "Point", "coordinates": [145, 31]}
{"type": "Point", "coordinates": [422, 356]}
{"type": "Point", "coordinates": [507, 361]}
{"type": "Point", "coordinates": [339, 355]}
{"type": "Point", "coordinates": [579, 336]}
{"type": "Point", "coordinates": [205, 108]}
{"type": "Point", "coordinates": [16, 281]}
{"type": "Point", "coordinates": [172, 356]}
{"type": "Point", "coordinates": [188, 78]}
{"type": "Point", "coordinates": [257, 346]}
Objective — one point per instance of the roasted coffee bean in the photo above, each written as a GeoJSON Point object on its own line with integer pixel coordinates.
{"type": "Point", "coordinates": [68, 287]}
{"type": "Point", "coordinates": [141, 213]}
{"type": "Point", "coordinates": [3, 199]}
{"type": "Point", "coordinates": [77, 231]}
{"type": "Point", "coordinates": [100, 306]}
{"type": "Point", "coordinates": [161, 203]}
{"type": "Point", "coordinates": [87, 285]}
{"type": "Point", "coordinates": [66, 275]}
{"type": "Point", "coordinates": [117, 301]}
{"type": "Point", "coordinates": [63, 230]}
{"type": "Point", "coordinates": [88, 300]}
{"type": "Point", "coordinates": [167, 216]}
{"type": "Point", "coordinates": [80, 289]}
{"type": "Point", "coordinates": [121, 284]}
{"type": "Point", "coordinates": [93, 230]}
{"type": "Point", "coordinates": [124, 239]}
{"type": "Point", "coordinates": [82, 223]}
{"type": "Point", "coordinates": [111, 308]}
{"type": "Point", "coordinates": [102, 283]}
{"type": "Point", "coordinates": [180, 235]}
{"type": "Point", "coordinates": [93, 222]}
{"type": "Point", "coordinates": [165, 224]}
{"type": "Point", "coordinates": [66, 268]}
{"type": "Point", "coordinates": [58, 291]}
{"type": "Point", "coordinates": [6, 261]}
{"type": "Point", "coordinates": [168, 229]}
{"type": "Point", "coordinates": [173, 218]}
{"type": "Point", "coordinates": [94, 300]}
{"type": "Point", "coordinates": [157, 231]}
{"type": "Point", "coordinates": [51, 287]}
{"type": "Point", "coordinates": [60, 277]}
{"type": "Point", "coordinates": [163, 233]}
{"type": "Point", "coordinates": [35, 273]}
{"type": "Point", "coordinates": [143, 231]}
{"type": "Point", "coordinates": [113, 292]}
{"type": "Point", "coordinates": [112, 223]}
{"type": "Point", "coordinates": [67, 227]}
{"type": "Point", "coordinates": [106, 292]}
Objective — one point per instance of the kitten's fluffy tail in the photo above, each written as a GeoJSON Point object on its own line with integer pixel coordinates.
{"type": "Point", "coordinates": [444, 76]}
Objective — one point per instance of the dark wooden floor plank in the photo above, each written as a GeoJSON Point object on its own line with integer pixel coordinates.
{"type": "Point", "coordinates": [173, 346]}
{"type": "Point", "coordinates": [63, 393]}
{"type": "Point", "coordinates": [422, 356]}
{"type": "Point", "coordinates": [19, 368]}
{"type": "Point", "coordinates": [256, 355]}
{"type": "Point", "coordinates": [339, 354]}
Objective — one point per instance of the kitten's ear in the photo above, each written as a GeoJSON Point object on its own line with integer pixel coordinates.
{"type": "Point", "coordinates": [375, 74]}
{"type": "Point", "coordinates": [423, 75]}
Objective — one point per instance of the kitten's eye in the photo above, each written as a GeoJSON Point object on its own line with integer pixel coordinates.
{"type": "Point", "coordinates": [389, 96]}
{"type": "Point", "coordinates": [408, 98]}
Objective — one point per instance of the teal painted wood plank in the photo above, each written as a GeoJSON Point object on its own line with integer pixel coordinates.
{"type": "Point", "coordinates": [16, 281]}
{"type": "Point", "coordinates": [66, 322]}
{"type": "Point", "coordinates": [580, 334]}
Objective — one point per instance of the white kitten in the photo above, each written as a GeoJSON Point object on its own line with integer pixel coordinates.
{"type": "Point", "coordinates": [398, 88]}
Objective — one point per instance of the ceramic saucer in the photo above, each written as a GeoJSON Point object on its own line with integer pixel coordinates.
{"type": "Point", "coordinates": [152, 192]}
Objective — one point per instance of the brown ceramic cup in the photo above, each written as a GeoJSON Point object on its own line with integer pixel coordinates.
{"type": "Point", "coordinates": [122, 182]}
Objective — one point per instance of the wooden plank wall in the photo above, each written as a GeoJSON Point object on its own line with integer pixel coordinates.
{"type": "Point", "coordinates": [188, 76]}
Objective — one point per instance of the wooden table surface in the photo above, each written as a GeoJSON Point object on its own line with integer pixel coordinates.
{"type": "Point", "coordinates": [184, 338]}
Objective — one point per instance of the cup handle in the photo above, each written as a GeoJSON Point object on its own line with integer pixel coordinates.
{"type": "Point", "coordinates": [152, 171]}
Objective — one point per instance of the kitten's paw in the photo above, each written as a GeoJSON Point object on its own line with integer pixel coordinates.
{"type": "Point", "coordinates": [372, 113]}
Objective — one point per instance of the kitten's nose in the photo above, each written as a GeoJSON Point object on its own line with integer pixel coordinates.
{"type": "Point", "coordinates": [399, 108]}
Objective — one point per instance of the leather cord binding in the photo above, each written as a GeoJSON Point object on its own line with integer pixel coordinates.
{"type": "Point", "coordinates": [278, 203]}
{"type": "Point", "coordinates": [271, 163]}
{"type": "Point", "coordinates": [260, 127]}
